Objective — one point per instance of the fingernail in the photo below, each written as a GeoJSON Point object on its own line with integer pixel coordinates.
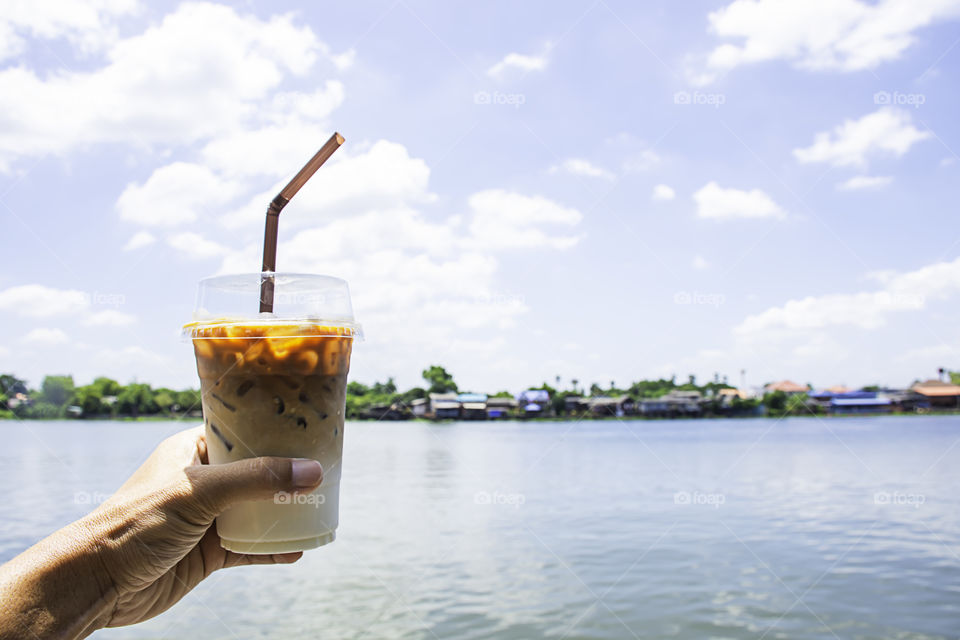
{"type": "Point", "coordinates": [306, 473]}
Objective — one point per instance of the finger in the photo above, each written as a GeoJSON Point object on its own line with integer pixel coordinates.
{"type": "Point", "coordinates": [202, 449]}
{"type": "Point", "coordinates": [242, 559]}
{"type": "Point", "coordinates": [216, 486]}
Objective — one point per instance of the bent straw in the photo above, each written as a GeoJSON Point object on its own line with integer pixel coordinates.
{"type": "Point", "coordinates": [273, 218]}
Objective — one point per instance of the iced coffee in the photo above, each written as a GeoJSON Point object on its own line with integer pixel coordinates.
{"type": "Point", "coordinates": [275, 387]}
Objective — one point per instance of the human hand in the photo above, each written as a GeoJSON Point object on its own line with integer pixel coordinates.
{"type": "Point", "coordinates": [147, 546]}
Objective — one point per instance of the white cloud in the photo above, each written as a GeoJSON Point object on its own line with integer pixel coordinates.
{"type": "Point", "coordinates": [382, 176]}
{"type": "Point", "coordinates": [345, 60]}
{"type": "Point", "coordinates": [88, 25]}
{"type": "Point", "coordinates": [44, 337]}
{"type": "Point", "coordinates": [109, 318]}
{"type": "Point", "coordinates": [818, 35]}
{"type": "Point", "coordinates": [504, 219]}
{"type": "Point", "coordinates": [663, 192]}
{"type": "Point", "coordinates": [864, 182]}
{"type": "Point", "coordinates": [138, 240]}
{"type": "Point", "coordinates": [520, 62]}
{"type": "Point", "coordinates": [642, 161]}
{"type": "Point", "coordinates": [175, 194]}
{"type": "Point", "coordinates": [883, 131]}
{"type": "Point", "coordinates": [203, 71]}
{"type": "Point", "coordinates": [713, 201]}
{"type": "Point", "coordinates": [699, 262]}
{"type": "Point", "coordinates": [581, 167]}
{"type": "Point", "coordinates": [38, 301]}
{"type": "Point", "coordinates": [196, 246]}
{"type": "Point", "coordinates": [908, 291]}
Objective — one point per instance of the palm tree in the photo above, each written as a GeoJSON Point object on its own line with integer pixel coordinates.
{"type": "Point", "coordinates": [574, 381]}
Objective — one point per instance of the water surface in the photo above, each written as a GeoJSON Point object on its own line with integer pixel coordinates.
{"type": "Point", "coordinates": [799, 528]}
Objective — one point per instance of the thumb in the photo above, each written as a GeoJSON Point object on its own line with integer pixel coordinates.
{"type": "Point", "coordinates": [217, 486]}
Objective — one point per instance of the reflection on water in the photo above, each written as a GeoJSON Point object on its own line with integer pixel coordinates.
{"type": "Point", "coordinates": [727, 529]}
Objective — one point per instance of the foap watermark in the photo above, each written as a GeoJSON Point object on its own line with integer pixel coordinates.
{"type": "Point", "coordinates": [514, 500]}
{"type": "Point", "coordinates": [699, 298]}
{"type": "Point", "coordinates": [501, 299]}
{"type": "Point", "coordinates": [699, 498]}
{"type": "Point", "coordinates": [286, 497]}
{"type": "Point", "coordinates": [310, 300]}
{"type": "Point", "coordinates": [101, 299]}
{"type": "Point", "coordinates": [90, 497]}
{"type": "Point", "coordinates": [899, 99]}
{"type": "Point", "coordinates": [714, 100]}
{"type": "Point", "coordinates": [899, 498]}
{"type": "Point", "coordinates": [515, 100]}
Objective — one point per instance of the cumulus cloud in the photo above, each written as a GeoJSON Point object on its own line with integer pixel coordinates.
{"type": "Point", "coordinates": [109, 318]}
{"type": "Point", "coordinates": [887, 131]}
{"type": "Point", "coordinates": [857, 183]}
{"type": "Point", "coordinates": [642, 161]}
{"type": "Point", "coordinates": [504, 219]}
{"type": "Point", "coordinates": [663, 192]}
{"type": "Point", "coordinates": [520, 62]}
{"type": "Point", "coordinates": [39, 301]}
{"type": "Point", "coordinates": [45, 337]}
{"type": "Point", "coordinates": [858, 35]}
{"type": "Point", "coordinates": [716, 202]}
{"type": "Point", "coordinates": [908, 291]}
{"type": "Point", "coordinates": [88, 25]}
{"type": "Point", "coordinates": [381, 176]}
{"type": "Point", "coordinates": [138, 240]}
{"type": "Point", "coordinates": [195, 246]}
{"type": "Point", "coordinates": [699, 262]}
{"type": "Point", "coordinates": [204, 70]}
{"type": "Point", "coordinates": [581, 167]}
{"type": "Point", "coordinates": [175, 194]}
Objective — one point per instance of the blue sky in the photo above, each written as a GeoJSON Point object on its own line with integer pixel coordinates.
{"type": "Point", "coordinates": [596, 190]}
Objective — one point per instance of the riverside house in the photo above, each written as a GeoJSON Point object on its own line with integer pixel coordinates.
{"type": "Point", "coordinates": [473, 406]}
{"type": "Point", "coordinates": [939, 394]}
{"type": "Point", "coordinates": [789, 387]}
{"type": "Point", "coordinates": [534, 402]}
{"type": "Point", "coordinates": [675, 404]}
{"type": "Point", "coordinates": [499, 408]}
{"type": "Point", "coordinates": [619, 406]}
{"type": "Point", "coordinates": [443, 406]}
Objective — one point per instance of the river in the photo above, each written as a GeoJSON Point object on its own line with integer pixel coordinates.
{"type": "Point", "coordinates": [798, 528]}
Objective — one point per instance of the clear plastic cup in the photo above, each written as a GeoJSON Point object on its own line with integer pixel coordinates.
{"type": "Point", "coordinates": [274, 384]}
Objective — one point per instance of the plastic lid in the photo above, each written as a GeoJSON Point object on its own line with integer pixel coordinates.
{"type": "Point", "coordinates": [303, 304]}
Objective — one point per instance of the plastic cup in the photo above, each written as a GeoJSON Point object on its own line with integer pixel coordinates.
{"type": "Point", "coordinates": [274, 384]}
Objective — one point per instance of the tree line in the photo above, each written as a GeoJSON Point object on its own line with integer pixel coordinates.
{"type": "Point", "coordinates": [59, 397]}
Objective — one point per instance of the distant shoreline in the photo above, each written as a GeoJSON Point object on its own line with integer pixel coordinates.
{"type": "Point", "coordinates": [629, 418]}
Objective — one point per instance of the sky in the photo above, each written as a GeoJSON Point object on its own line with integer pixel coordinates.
{"type": "Point", "coordinates": [600, 190]}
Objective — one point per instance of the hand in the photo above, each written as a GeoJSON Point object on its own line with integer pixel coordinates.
{"type": "Point", "coordinates": [147, 546]}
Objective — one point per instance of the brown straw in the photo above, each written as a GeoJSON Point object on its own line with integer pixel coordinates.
{"type": "Point", "coordinates": [273, 218]}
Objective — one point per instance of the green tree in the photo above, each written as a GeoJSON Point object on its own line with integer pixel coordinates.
{"type": "Point", "coordinates": [164, 399]}
{"type": "Point", "coordinates": [187, 400]}
{"type": "Point", "coordinates": [439, 380]}
{"type": "Point", "coordinates": [90, 400]}
{"type": "Point", "coordinates": [357, 389]}
{"type": "Point", "coordinates": [107, 387]}
{"type": "Point", "coordinates": [11, 385]}
{"type": "Point", "coordinates": [385, 388]}
{"type": "Point", "coordinates": [136, 399]}
{"type": "Point", "coordinates": [57, 390]}
{"type": "Point", "coordinates": [776, 402]}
